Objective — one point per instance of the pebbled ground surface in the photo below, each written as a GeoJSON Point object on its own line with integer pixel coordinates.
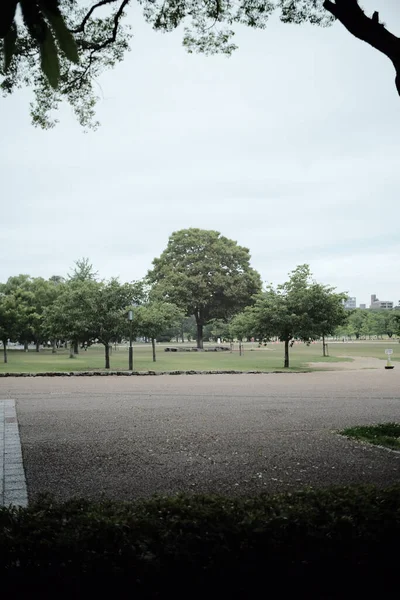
{"type": "Point", "coordinates": [231, 434]}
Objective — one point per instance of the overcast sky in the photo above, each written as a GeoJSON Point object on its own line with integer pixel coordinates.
{"type": "Point", "coordinates": [291, 147]}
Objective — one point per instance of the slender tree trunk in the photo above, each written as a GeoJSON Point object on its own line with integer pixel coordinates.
{"type": "Point", "coordinates": [71, 350]}
{"type": "Point", "coordinates": [153, 345]}
{"type": "Point", "coordinates": [200, 334]}
{"type": "Point", "coordinates": [76, 347]}
{"type": "Point", "coordinates": [286, 354]}
{"type": "Point", "coordinates": [65, 345]}
{"type": "Point", "coordinates": [53, 347]}
{"type": "Point", "coordinates": [323, 346]}
{"type": "Point", "coordinates": [37, 346]}
{"type": "Point", "coordinates": [176, 339]}
{"type": "Point", "coordinates": [5, 351]}
{"type": "Point", "coordinates": [107, 354]}
{"type": "Point", "coordinates": [182, 334]}
{"type": "Point", "coordinates": [26, 347]}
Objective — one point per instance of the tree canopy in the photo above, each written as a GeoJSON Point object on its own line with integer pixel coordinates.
{"type": "Point", "coordinates": [60, 47]}
{"type": "Point", "coordinates": [205, 274]}
{"type": "Point", "coordinates": [298, 309]}
{"type": "Point", "coordinates": [89, 310]}
{"type": "Point", "coordinates": [153, 318]}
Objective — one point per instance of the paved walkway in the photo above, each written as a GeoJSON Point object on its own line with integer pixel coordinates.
{"type": "Point", "coordinates": [12, 476]}
{"type": "Point", "coordinates": [356, 363]}
{"type": "Point", "coordinates": [127, 437]}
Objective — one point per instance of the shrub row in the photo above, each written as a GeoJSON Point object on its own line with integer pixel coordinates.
{"type": "Point", "coordinates": [314, 543]}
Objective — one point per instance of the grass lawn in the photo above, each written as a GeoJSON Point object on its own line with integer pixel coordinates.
{"type": "Point", "coordinates": [385, 434]}
{"type": "Point", "coordinates": [269, 358]}
{"type": "Point", "coordinates": [373, 349]}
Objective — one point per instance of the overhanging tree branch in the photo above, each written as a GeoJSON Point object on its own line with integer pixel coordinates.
{"type": "Point", "coordinates": [86, 18]}
{"type": "Point", "coordinates": [367, 29]}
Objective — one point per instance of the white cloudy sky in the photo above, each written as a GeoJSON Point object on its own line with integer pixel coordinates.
{"type": "Point", "coordinates": [291, 147]}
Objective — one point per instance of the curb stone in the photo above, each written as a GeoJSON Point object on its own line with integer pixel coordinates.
{"type": "Point", "coordinates": [144, 373]}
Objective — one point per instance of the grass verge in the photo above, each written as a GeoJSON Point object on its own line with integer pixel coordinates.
{"type": "Point", "coordinates": [321, 543]}
{"type": "Point", "coordinates": [385, 434]}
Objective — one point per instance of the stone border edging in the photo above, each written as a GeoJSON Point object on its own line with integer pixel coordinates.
{"type": "Point", "coordinates": [141, 373]}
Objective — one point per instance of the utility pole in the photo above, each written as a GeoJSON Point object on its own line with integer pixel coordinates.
{"type": "Point", "coordinates": [130, 318]}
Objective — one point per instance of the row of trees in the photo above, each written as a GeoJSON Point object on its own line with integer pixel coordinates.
{"type": "Point", "coordinates": [367, 323]}
{"type": "Point", "coordinates": [79, 309]}
{"type": "Point", "coordinates": [201, 278]}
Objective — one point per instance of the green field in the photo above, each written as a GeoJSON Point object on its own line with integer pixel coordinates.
{"type": "Point", "coordinates": [268, 358]}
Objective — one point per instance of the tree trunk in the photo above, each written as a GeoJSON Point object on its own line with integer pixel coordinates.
{"type": "Point", "coordinates": [182, 334]}
{"type": "Point", "coordinates": [107, 353]}
{"type": "Point", "coordinates": [26, 347]}
{"type": "Point", "coordinates": [286, 354]}
{"type": "Point", "coordinates": [71, 350]}
{"type": "Point", "coordinates": [153, 345]}
{"type": "Point", "coordinates": [323, 346]}
{"type": "Point", "coordinates": [76, 347]}
{"type": "Point", "coordinates": [200, 335]}
{"type": "Point", "coordinates": [53, 347]}
{"type": "Point", "coordinates": [5, 351]}
{"type": "Point", "coordinates": [37, 346]}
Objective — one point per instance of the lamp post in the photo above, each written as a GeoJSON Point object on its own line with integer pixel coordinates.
{"type": "Point", "coordinates": [130, 319]}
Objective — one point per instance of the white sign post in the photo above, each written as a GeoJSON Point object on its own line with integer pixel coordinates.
{"type": "Point", "coordinates": [389, 353]}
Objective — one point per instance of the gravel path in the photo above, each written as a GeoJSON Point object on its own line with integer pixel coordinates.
{"type": "Point", "coordinates": [356, 363]}
{"type": "Point", "coordinates": [130, 437]}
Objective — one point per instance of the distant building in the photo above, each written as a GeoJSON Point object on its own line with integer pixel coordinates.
{"type": "Point", "coordinates": [380, 304]}
{"type": "Point", "coordinates": [350, 303]}
{"type": "Point", "coordinates": [363, 306]}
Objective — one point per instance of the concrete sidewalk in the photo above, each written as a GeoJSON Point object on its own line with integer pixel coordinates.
{"type": "Point", "coordinates": [12, 476]}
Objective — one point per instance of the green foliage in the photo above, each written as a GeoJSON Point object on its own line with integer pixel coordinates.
{"type": "Point", "coordinates": [332, 543]}
{"type": "Point", "coordinates": [88, 310]}
{"type": "Point", "coordinates": [61, 47]}
{"type": "Point", "coordinates": [83, 271]}
{"type": "Point", "coordinates": [31, 297]}
{"type": "Point", "coordinates": [384, 434]}
{"type": "Point", "coordinates": [357, 321]}
{"type": "Point", "coordinates": [371, 322]}
{"type": "Point", "coordinates": [205, 274]}
{"type": "Point", "coordinates": [155, 317]}
{"type": "Point", "coordinates": [297, 309]}
{"type": "Point", "coordinates": [9, 319]}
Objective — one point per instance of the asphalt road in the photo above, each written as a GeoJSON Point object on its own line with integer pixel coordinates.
{"type": "Point", "coordinates": [126, 437]}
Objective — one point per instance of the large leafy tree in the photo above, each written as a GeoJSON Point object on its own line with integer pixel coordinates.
{"type": "Point", "coordinates": [327, 310]}
{"type": "Point", "coordinates": [17, 290]}
{"type": "Point", "coordinates": [9, 320]}
{"type": "Point", "coordinates": [357, 321]}
{"type": "Point", "coordinates": [59, 47]}
{"type": "Point", "coordinates": [70, 316]}
{"type": "Point", "coordinates": [89, 310]}
{"type": "Point", "coordinates": [154, 318]}
{"type": "Point", "coordinates": [33, 295]}
{"type": "Point", "coordinates": [298, 309]}
{"type": "Point", "coordinates": [206, 275]}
